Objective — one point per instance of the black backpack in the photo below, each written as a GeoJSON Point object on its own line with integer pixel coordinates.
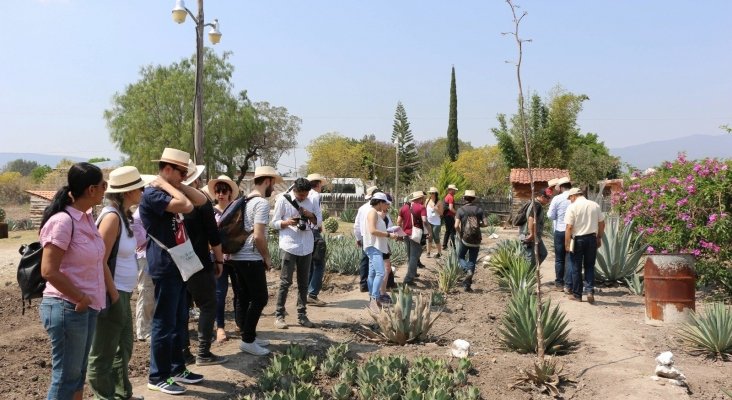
{"type": "Point", "coordinates": [231, 226]}
{"type": "Point", "coordinates": [521, 218]}
{"type": "Point", "coordinates": [470, 231]}
{"type": "Point", "coordinates": [30, 280]}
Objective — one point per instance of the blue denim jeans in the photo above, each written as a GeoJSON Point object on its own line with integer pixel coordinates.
{"type": "Point", "coordinates": [170, 321]}
{"type": "Point", "coordinates": [562, 262]}
{"type": "Point", "coordinates": [583, 258]}
{"type": "Point", "coordinates": [222, 289]}
{"type": "Point", "coordinates": [363, 269]}
{"type": "Point", "coordinates": [467, 264]}
{"type": "Point", "coordinates": [71, 335]}
{"type": "Point", "coordinates": [376, 271]}
{"type": "Point", "coordinates": [529, 252]}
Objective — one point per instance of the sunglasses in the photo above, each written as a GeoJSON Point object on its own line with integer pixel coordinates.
{"type": "Point", "coordinates": [222, 189]}
{"type": "Point", "coordinates": [183, 171]}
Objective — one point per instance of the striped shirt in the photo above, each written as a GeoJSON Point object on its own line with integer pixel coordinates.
{"type": "Point", "coordinates": [257, 212]}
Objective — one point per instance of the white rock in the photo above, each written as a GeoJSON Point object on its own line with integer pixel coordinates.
{"type": "Point", "coordinates": [460, 348]}
{"type": "Point", "coordinates": [669, 372]}
{"type": "Point", "coordinates": [665, 358]}
{"type": "Point", "coordinates": [677, 382]}
{"type": "Point", "coordinates": [493, 236]}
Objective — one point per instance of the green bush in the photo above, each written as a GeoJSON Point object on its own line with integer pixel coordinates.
{"type": "Point", "coordinates": [348, 215]}
{"type": "Point", "coordinates": [342, 255]}
{"type": "Point", "coordinates": [710, 332]}
{"type": "Point", "coordinates": [449, 273]}
{"type": "Point", "coordinates": [518, 327]}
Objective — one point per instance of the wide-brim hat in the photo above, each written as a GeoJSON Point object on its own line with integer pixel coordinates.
{"type": "Point", "coordinates": [553, 182]}
{"type": "Point", "coordinates": [316, 177]}
{"type": "Point", "coordinates": [194, 172]}
{"type": "Point", "coordinates": [561, 181]}
{"type": "Point", "coordinates": [451, 186]}
{"type": "Point", "coordinates": [574, 191]}
{"type": "Point", "coordinates": [127, 178]}
{"type": "Point", "coordinates": [469, 193]}
{"type": "Point", "coordinates": [268, 171]}
{"type": "Point", "coordinates": [223, 179]}
{"type": "Point", "coordinates": [381, 196]}
{"type": "Point", "coordinates": [370, 192]}
{"type": "Point", "coordinates": [433, 190]}
{"type": "Point", "coordinates": [416, 195]}
{"type": "Point", "coordinates": [175, 156]}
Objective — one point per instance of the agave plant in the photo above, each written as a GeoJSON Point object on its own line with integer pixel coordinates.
{"type": "Point", "coordinates": [398, 253]}
{"type": "Point", "coordinates": [506, 251]}
{"type": "Point", "coordinates": [342, 255]}
{"type": "Point", "coordinates": [710, 332]}
{"type": "Point", "coordinates": [449, 273]}
{"type": "Point", "coordinates": [620, 253]}
{"type": "Point", "coordinates": [296, 392]}
{"type": "Point", "coordinates": [518, 327]}
{"type": "Point", "coordinates": [519, 275]}
{"type": "Point", "coordinates": [330, 225]}
{"type": "Point", "coordinates": [545, 376]}
{"type": "Point", "coordinates": [408, 320]}
{"type": "Point", "coordinates": [635, 284]}
{"type": "Point", "coordinates": [727, 392]}
{"type": "Point", "coordinates": [348, 215]}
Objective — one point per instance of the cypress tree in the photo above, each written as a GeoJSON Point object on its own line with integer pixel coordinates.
{"type": "Point", "coordinates": [452, 128]}
{"type": "Point", "coordinates": [406, 148]}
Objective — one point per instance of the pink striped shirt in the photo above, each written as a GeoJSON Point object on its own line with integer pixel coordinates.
{"type": "Point", "coordinates": [83, 261]}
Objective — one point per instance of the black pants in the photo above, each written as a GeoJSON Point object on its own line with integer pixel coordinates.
{"type": "Point", "coordinates": [300, 267]}
{"type": "Point", "coordinates": [202, 288]}
{"type": "Point", "coordinates": [363, 270]}
{"type": "Point", "coordinates": [449, 231]}
{"type": "Point", "coordinates": [251, 281]}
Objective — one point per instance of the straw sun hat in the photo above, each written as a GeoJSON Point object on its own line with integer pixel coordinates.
{"type": "Point", "coordinates": [223, 179]}
{"type": "Point", "coordinates": [126, 179]}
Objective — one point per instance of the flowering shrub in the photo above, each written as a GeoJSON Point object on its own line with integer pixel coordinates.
{"type": "Point", "coordinates": [683, 207]}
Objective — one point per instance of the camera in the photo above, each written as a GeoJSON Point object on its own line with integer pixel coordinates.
{"type": "Point", "coordinates": [302, 223]}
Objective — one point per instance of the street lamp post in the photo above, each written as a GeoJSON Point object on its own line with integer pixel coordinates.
{"type": "Point", "coordinates": [179, 16]}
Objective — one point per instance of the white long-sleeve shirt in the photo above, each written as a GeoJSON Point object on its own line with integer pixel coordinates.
{"type": "Point", "coordinates": [292, 239]}
{"type": "Point", "coordinates": [360, 221]}
{"type": "Point", "coordinates": [314, 197]}
{"type": "Point", "coordinates": [557, 211]}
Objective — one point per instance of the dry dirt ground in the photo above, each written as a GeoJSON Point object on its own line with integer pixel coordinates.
{"type": "Point", "coordinates": [613, 357]}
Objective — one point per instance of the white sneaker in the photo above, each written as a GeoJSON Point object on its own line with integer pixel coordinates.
{"type": "Point", "coordinates": [261, 342]}
{"type": "Point", "coordinates": [253, 348]}
{"type": "Point", "coordinates": [280, 323]}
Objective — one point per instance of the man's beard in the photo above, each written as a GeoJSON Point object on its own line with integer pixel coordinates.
{"type": "Point", "coordinates": [268, 191]}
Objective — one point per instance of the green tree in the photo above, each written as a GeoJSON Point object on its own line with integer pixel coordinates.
{"type": "Point", "coordinates": [39, 173]}
{"type": "Point", "coordinates": [24, 167]}
{"type": "Point", "coordinates": [452, 128]}
{"type": "Point", "coordinates": [432, 153]}
{"type": "Point", "coordinates": [591, 161]}
{"type": "Point", "coordinates": [449, 175]}
{"type": "Point", "coordinates": [98, 159]}
{"type": "Point", "coordinates": [333, 156]}
{"type": "Point", "coordinates": [402, 136]}
{"type": "Point", "coordinates": [378, 160]}
{"type": "Point", "coordinates": [484, 171]}
{"type": "Point", "coordinates": [157, 112]}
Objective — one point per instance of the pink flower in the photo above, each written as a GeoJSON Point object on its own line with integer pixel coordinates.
{"type": "Point", "coordinates": [667, 228]}
{"type": "Point", "coordinates": [674, 180]}
{"type": "Point", "coordinates": [682, 202]}
{"type": "Point", "coordinates": [650, 249]}
{"type": "Point", "coordinates": [712, 219]}
{"type": "Point", "coordinates": [696, 252]}
{"type": "Point", "coordinates": [691, 189]}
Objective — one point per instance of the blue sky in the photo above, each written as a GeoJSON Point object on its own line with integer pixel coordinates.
{"type": "Point", "coordinates": [652, 69]}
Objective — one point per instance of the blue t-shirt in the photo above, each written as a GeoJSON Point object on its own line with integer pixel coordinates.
{"type": "Point", "coordinates": [162, 225]}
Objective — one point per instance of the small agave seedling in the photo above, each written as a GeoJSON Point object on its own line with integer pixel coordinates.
{"type": "Point", "coordinates": [468, 393]}
{"type": "Point", "coordinates": [464, 364]}
{"type": "Point", "coordinates": [460, 377]}
{"type": "Point", "coordinates": [296, 352]}
{"type": "Point", "coordinates": [413, 394]}
{"type": "Point", "coordinates": [341, 391]}
{"type": "Point", "coordinates": [438, 394]}
{"type": "Point", "coordinates": [417, 380]}
{"type": "Point", "coordinates": [348, 372]}
{"type": "Point", "coordinates": [268, 380]}
{"type": "Point", "coordinates": [305, 369]}
{"type": "Point", "coordinates": [389, 389]}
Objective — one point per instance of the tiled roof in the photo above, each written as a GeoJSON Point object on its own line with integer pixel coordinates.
{"type": "Point", "coordinates": [44, 194]}
{"type": "Point", "coordinates": [521, 175]}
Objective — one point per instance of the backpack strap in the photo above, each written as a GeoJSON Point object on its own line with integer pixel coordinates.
{"type": "Point", "coordinates": [115, 248]}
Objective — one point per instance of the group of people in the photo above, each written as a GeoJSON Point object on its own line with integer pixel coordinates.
{"type": "Point", "coordinates": [92, 266]}
{"type": "Point", "coordinates": [578, 227]}
{"type": "Point", "coordinates": [418, 223]}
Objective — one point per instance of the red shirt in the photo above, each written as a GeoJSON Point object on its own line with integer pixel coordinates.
{"type": "Point", "coordinates": [450, 199]}
{"type": "Point", "coordinates": [418, 211]}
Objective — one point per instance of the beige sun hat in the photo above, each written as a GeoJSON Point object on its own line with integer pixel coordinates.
{"type": "Point", "coordinates": [469, 193]}
{"type": "Point", "coordinates": [573, 191]}
{"type": "Point", "coordinates": [432, 190]}
{"type": "Point", "coordinates": [561, 181]}
{"type": "Point", "coordinates": [451, 186]}
{"type": "Point", "coordinates": [552, 182]}
{"type": "Point", "coordinates": [126, 179]}
{"type": "Point", "coordinates": [416, 195]}
{"type": "Point", "coordinates": [266, 170]}
{"type": "Point", "coordinates": [175, 156]}
{"type": "Point", "coordinates": [223, 179]}
{"type": "Point", "coordinates": [316, 177]}
{"type": "Point", "coordinates": [194, 172]}
{"type": "Point", "coordinates": [370, 192]}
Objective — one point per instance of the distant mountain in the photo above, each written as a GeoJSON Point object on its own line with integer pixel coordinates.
{"type": "Point", "coordinates": [42, 159]}
{"type": "Point", "coordinates": [652, 154]}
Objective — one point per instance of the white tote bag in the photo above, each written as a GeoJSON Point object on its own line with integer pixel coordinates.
{"type": "Point", "coordinates": [416, 235]}
{"type": "Point", "coordinates": [184, 257]}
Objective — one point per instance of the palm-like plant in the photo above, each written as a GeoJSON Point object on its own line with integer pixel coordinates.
{"type": "Point", "coordinates": [518, 327]}
{"type": "Point", "coordinates": [506, 251]}
{"type": "Point", "coordinates": [710, 332]}
{"type": "Point", "coordinates": [519, 275]}
{"type": "Point", "coordinates": [620, 253]}
{"type": "Point", "coordinates": [449, 272]}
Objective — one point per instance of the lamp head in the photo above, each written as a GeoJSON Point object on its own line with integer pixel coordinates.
{"type": "Point", "coordinates": [214, 35]}
{"type": "Point", "coordinates": [179, 12]}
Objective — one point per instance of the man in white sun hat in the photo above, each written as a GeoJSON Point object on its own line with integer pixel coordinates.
{"type": "Point", "coordinates": [317, 266]}
{"type": "Point", "coordinates": [358, 227]}
{"type": "Point", "coordinates": [162, 205]}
